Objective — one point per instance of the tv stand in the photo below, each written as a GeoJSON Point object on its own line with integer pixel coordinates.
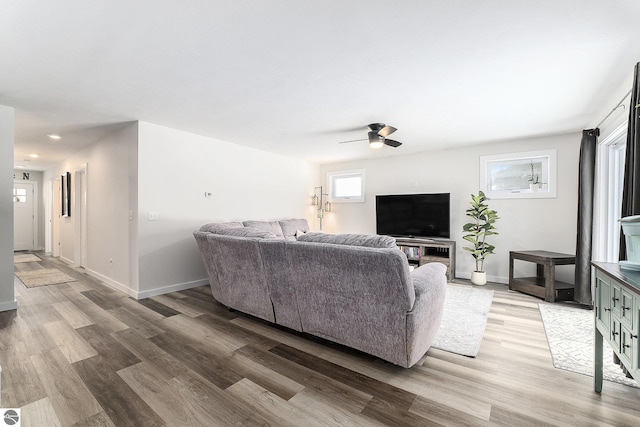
{"type": "Point", "coordinates": [422, 250]}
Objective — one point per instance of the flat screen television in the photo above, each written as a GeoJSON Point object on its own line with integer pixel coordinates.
{"type": "Point", "coordinates": [413, 215]}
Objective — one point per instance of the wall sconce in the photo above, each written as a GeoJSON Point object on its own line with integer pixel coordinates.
{"type": "Point", "coordinates": [317, 200]}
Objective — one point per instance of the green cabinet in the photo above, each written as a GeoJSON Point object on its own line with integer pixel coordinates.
{"type": "Point", "coordinates": [617, 317]}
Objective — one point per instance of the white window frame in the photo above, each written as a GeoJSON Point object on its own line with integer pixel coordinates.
{"type": "Point", "coordinates": [495, 162]}
{"type": "Point", "coordinates": [608, 199]}
{"type": "Point", "coordinates": [332, 177]}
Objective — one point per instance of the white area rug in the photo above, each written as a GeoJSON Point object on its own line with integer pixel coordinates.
{"type": "Point", "coordinates": [570, 335]}
{"type": "Point", "coordinates": [25, 258]}
{"type": "Point", "coordinates": [464, 320]}
{"type": "Point", "coordinates": [43, 277]}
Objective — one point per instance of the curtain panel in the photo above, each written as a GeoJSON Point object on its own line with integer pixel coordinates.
{"type": "Point", "coordinates": [631, 186]}
{"type": "Point", "coordinates": [586, 174]}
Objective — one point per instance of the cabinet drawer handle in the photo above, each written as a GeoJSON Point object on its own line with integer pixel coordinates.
{"type": "Point", "coordinates": [607, 309]}
{"type": "Point", "coordinates": [615, 299]}
{"type": "Point", "coordinates": [633, 336]}
{"type": "Point", "coordinates": [615, 333]}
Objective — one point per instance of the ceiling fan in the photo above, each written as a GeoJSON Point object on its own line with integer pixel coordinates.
{"type": "Point", "coordinates": [377, 136]}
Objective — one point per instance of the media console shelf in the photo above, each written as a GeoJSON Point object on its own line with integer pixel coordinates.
{"type": "Point", "coordinates": [422, 251]}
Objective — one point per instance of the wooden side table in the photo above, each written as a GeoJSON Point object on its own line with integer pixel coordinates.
{"type": "Point", "coordinates": [544, 285]}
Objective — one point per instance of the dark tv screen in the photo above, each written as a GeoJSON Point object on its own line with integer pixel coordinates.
{"type": "Point", "coordinates": [413, 215]}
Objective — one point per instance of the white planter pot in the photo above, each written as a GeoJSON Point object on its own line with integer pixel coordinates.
{"type": "Point", "coordinates": [534, 187]}
{"type": "Point", "coordinates": [479, 278]}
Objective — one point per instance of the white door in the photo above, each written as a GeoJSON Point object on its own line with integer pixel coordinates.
{"type": "Point", "coordinates": [23, 216]}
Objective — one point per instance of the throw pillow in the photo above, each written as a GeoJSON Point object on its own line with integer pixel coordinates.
{"type": "Point", "coordinates": [270, 226]}
{"type": "Point", "coordinates": [290, 227]}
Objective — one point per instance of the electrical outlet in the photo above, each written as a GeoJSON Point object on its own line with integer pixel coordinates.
{"type": "Point", "coordinates": [153, 216]}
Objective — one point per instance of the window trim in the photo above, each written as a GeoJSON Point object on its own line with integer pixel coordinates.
{"type": "Point", "coordinates": [608, 195]}
{"type": "Point", "coordinates": [333, 176]}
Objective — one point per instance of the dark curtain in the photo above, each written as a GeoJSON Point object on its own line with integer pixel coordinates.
{"type": "Point", "coordinates": [631, 186]}
{"type": "Point", "coordinates": [586, 174]}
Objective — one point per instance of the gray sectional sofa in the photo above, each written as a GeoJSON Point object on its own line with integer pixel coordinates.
{"type": "Point", "coordinates": [356, 290]}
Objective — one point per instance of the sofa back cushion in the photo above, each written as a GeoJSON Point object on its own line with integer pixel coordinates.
{"type": "Point", "coordinates": [290, 227]}
{"type": "Point", "coordinates": [240, 272]}
{"type": "Point", "coordinates": [356, 296]}
{"type": "Point", "coordinates": [247, 232]}
{"type": "Point", "coordinates": [366, 240]}
{"type": "Point", "coordinates": [206, 251]}
{"type": "Point", "coordinates": [279, 280]}
{"type": "Point", "coordinates": [270, 226]}
{"type": "Point", "coordinates": [214, 227]}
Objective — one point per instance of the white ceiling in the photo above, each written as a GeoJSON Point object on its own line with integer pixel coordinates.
{"type": "Point", "coordinates": [297, 77]}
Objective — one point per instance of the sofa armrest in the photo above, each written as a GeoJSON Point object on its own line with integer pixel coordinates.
{"type": "Point", "coordinates": [423, 321]}
{"type": "Point", "coordinates": [426, 275]}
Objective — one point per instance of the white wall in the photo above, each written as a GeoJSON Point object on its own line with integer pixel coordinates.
{"type": "Point", "coordinates": [547, 224]}
{"type": "Point", "coordinates": [7, 296]}
{"type": "Point", "coordinates": [110, 163]}
{"type": "Point", "coordinates": [176, 169]}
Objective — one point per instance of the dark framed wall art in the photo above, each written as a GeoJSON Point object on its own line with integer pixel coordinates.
{"type": "Point", "coordinates": [65, 189]}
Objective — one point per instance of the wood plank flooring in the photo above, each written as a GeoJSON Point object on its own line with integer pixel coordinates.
{"type": "Point", "coordinates": [83, 354]}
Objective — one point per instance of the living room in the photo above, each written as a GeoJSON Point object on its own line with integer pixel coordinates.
{"type": "Point", "coordinates": [152, 179]}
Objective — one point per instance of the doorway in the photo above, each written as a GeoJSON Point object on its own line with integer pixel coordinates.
{"type": "Point", "coordinates": [24, 215]}
{"type": "Point", "coordinates": [80, 223]}
{"type": "Point", "coordinates": [55, 218]}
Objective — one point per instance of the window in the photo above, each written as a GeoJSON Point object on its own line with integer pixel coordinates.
{"type": "Point", "coordinates": [346, 186]}
{"type": "Point", "coordinates": [530, 174]}
{"type": "Point", "coordinates": [19, 195]}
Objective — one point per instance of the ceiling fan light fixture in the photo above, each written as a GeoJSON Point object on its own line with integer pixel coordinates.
{"type": "Point", "coordinates": [375, 140]}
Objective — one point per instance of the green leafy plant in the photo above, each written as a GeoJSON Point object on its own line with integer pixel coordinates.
{"type": "Point", "coordinates": [478, 230]}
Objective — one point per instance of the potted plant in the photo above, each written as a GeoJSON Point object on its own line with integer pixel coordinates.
{"type": "Point", "coordinates": [477, 232]}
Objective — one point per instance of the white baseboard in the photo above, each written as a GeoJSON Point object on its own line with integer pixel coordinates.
{"type": "Point", "coordinates": [172, 288]}
{"type": "Point", "coordinates": [112, 283]}
{"type": "Point", "coordinates": [9, 305]}
{"type": "Point", "coordinates": [151, 292]}
{"type": "Point", "coordinates": [65, 260]}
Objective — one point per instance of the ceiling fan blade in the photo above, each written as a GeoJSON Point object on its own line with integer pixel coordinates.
{"type": "Point", "coordinates": [386, 131]}
{"type": "Point", "coordinates": [352, 140]}
{"type": "Point", "coordinates": [392, 143]}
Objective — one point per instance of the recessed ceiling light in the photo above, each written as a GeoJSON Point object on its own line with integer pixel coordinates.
{"type": "Point", "coordinates": [54, 136]}
{"type": "Point", "coordinates": [19, 166]}
{"type": "Point", "coordinates": [34, 155]}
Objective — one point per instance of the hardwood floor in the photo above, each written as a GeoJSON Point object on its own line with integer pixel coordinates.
{"type": "Point", "coordinates": [83, 354]}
